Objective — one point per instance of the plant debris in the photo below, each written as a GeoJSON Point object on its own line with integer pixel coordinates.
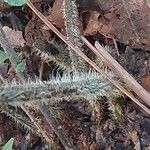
{"type": "Point", "coordinates": [61, 102]}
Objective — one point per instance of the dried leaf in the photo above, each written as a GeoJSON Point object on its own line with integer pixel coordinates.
{"type": "Point", "coordinates": [96, 24]}
{"type": "Point", "coordinates": [130, 18]}
{"type": "Point", "coordinates": [15, 37]}
{"type": "Point", "coordinates": [135, 139]}
{"type": "Point", "coordinates": [56, 15]}
{"type": "Point", "coordinates": [145, 82]}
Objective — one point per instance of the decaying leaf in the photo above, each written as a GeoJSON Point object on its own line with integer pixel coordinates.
{"type": "Point", "coordinates": [15, 37]}
{"type": "Point", "coordinates": [56, 15]}
{"type": "Point", "coordinates": [96, 24]}
{"type": "Point", "coordinates": [145, 82]}
{"type": "Point", "coordinates": [126, 21]}
{"type": "Point", "coordinates": [135, 139]}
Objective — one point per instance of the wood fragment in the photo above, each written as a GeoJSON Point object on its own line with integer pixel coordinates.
{"type": "Point", "coordinates": [123, 74]}
{"type": "Point", "coordinates": [148, 3]}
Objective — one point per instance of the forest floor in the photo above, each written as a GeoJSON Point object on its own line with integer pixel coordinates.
{"type": "Point", "coordinates": [90, 127]}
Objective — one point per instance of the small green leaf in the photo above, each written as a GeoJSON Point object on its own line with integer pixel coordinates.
{"type": "Point", "coordinates": [3, 56]}
{"type": "Point", "coordinates": [21, 67]}
{"type": "Point", "coordinates": [8, 145]}
{"type": "Point", "coordinates": [16, 2]}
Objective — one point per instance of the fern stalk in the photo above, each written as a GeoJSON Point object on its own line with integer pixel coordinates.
{"type": "Point", "coordinates": [80, 85]}
{"type": "Point", "coordinates": [73, 31]}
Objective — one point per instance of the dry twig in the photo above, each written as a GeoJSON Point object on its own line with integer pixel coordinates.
{"type": "Point", "coordinates": [123, 74]}
{"type": "Point", "coordinates": [119, 70]}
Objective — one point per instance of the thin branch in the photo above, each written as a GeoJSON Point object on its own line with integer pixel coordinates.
{"type": "Point", "coordinates": [123, 74]}
{"type": "Point", "coordinates": [41, 70]}
{"type": "Point", "coordinates": [116, 46]}
{"type": "Point", "coordinates": [119, 70]}
{"type": "Point", "coordinates": [48, 114]}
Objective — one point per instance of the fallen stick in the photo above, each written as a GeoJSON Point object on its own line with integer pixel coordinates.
{"type": "Point", "coordinates": [119, 70]}
{"type": "Point", "coordinates": [124, 75]}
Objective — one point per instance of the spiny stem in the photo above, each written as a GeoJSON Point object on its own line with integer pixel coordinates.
{"type": "Point", "coordinates": [86, 85]}
{"type": "Point", "coordinates": [73, 30]}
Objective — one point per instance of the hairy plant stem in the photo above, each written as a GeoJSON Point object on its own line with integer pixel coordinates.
{"type": "Point", "coordinates": [73, 30]}
{"type": "Point", "coordinates": [86, 85]}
